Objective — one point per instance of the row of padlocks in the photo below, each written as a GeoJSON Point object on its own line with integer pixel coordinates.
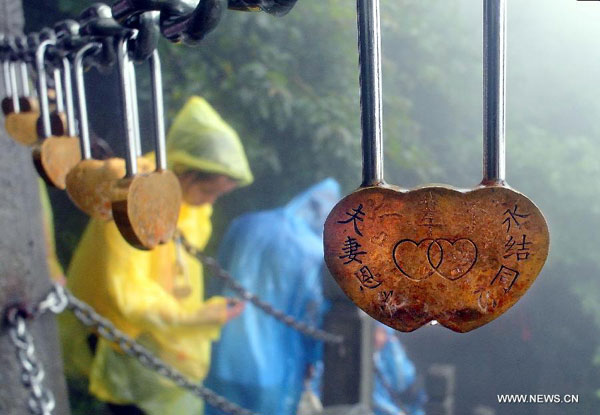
{"type": "Point", "coordinates": [142, 197]}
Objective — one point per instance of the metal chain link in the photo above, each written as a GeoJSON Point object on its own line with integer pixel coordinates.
{"type": "Point", "coordinates": [304, 328]}
{"type": "Point", "coordinates": [41, 400]}
{"type": "Point", "coordinates": [60, 299]}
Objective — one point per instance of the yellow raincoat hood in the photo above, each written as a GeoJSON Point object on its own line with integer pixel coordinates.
{"type": "Point", "coordinates": [199, 139]}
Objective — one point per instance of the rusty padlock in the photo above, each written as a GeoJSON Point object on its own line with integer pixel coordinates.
{"type": "Point", "coordinates": [55, 155]}
{"type": "Point", "coordinates": [145, 206]}
{"type": "Point", "coordinates": [21, 109]}
{"type": "Point", "coordinates": [90, 182]}
{"type": "Point", "coordinates": [436, 253]}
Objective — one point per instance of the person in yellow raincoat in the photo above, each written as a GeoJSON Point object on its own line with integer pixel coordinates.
{"type": "Point", "coordinates": [55, 270]}
{"type": "Point", "coordinates": [156, 296]}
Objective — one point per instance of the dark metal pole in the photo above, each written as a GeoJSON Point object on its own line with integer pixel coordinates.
{"type": "Point", "coordinates": [494, 90]}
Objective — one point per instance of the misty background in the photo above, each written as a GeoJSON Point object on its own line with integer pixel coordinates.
{"type": "Point", "coordinates": [290, 88]}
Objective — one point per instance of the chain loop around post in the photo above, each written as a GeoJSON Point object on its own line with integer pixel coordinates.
{"type": "Point", "coordinates": [41, 400]}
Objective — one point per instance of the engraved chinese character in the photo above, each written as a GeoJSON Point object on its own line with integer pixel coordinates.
{"type": "Point", "coordinates": [366, 278]}
{"type": "Point", "coordinates": [428, 219]}
{"type": "Point", "coordinates": [355, 217]}
{"type": "Point", "coordinates": [513, 216]}
{"type": "Point", "coordinates": [352, 251]}
{"type": "Point", "coordinates": [506, 278]}
{"type": "Point", "coordinates": [522, 253]}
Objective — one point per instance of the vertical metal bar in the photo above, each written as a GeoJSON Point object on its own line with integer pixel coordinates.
{"type": "Point", "coordinates": [58, 90]}
{"type": "Point", "coordinates": [15, 88]}
{"type": "Point", "coordinates": [43, 87]}
{"type": "Point", "coordinates": [159, 112]}
{"type": "Point", "coordinates": [24, 79]}
{"type": "Point", "coordinates": [127, 102]}
{"type": "Point", "coordinates": [135, 113]}
{"type": "Point", "coordinates": [6, 78]}
{"type": "Point", "coordinates": [84, 132]}
{"type": "Point", "coordinates": [369, 45]}
{"type": "Point", "coordinates": [68, 87]}
{"type": "Point", "coordinates": [494, 91]}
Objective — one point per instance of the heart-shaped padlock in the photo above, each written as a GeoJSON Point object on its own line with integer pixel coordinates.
{"type": "Point", "coordinates": [55, 155]}
{"type": "Point", "coordinates": [90, 182]}
{"type": "Point", "coordinates": [458, 257]}
{"type": "Point", "coordinates": [20, 108]}
{"type": "Point", "coordinates": [145, 206]}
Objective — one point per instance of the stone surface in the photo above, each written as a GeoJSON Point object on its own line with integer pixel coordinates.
{"type": "Point", "coordinates": [23, 272]}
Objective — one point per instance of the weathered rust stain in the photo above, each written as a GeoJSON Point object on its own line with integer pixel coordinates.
{"type": "Point", "coordinates": [459, 257]}
{"type": "Point", "coordinates": [54, 158]}
{"type": "Point", "coordinates": [146, 208]}
{"type": "Point", "coordinates": [90, 184]}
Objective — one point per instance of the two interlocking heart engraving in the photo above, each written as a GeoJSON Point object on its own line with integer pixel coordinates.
{"type": "Point", "coordinates": [461, 258]}
{"type": "Point", "coordinates": [449, 259]}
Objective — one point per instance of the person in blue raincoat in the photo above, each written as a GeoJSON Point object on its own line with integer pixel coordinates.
{"type": "Point", "coordinates": [396, 390]}
{"type": "Point", "coordinates": [259, 363]}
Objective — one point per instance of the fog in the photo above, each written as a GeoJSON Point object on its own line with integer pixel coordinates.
{"type": "Point", "coordinates": [547, 343]}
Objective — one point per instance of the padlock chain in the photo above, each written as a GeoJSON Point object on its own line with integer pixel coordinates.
{"type": "Point", "coordinates": [41, 400]}
{"type": "Point", "coordinates": [304, 328]}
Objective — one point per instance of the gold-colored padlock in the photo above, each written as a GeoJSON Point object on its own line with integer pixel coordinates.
{"type": "Point", "coordinates": [145, 207]}
{"type": "Point", "coordinates": [90, 183]}
{"type": "Point", "coordinates": [436, 253]}
{"type": "Point", "coordinates": [54, 155]}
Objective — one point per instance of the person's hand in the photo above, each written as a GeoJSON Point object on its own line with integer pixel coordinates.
{"type": "Point", "coordinates": [381, 337]}
{"type": "Point", "coordinates": [235, 307]}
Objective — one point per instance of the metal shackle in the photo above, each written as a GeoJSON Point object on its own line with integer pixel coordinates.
{"type": "Point", "coordinates": [47, 40]}
{"type": "Point", "coordinates": [84, 133]}
{"type": "Point", "coordinates": [124, 70]}
{"type": "Point", "coordinates": [159, 112]}
{"type": "Point", "coordinates": [22, 50]}
{"type": "Point", "coordinates": [5, 58]}
{"type": "Point", "coordinates": [130, 115]}
{"type": "Point", "coordinates": [369, 45]}
{"type": "Point", "coordinates": [67, 35]}
{"type": "Point", "coordinates": [494, 91]}
{"type": "Point", "coordinates": [12, 74]}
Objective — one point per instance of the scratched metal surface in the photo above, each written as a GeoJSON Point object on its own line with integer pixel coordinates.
{"type": "Point", "coordinates": [459, 257]}
{"type": "Point", "coordinates": [23, 273]}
